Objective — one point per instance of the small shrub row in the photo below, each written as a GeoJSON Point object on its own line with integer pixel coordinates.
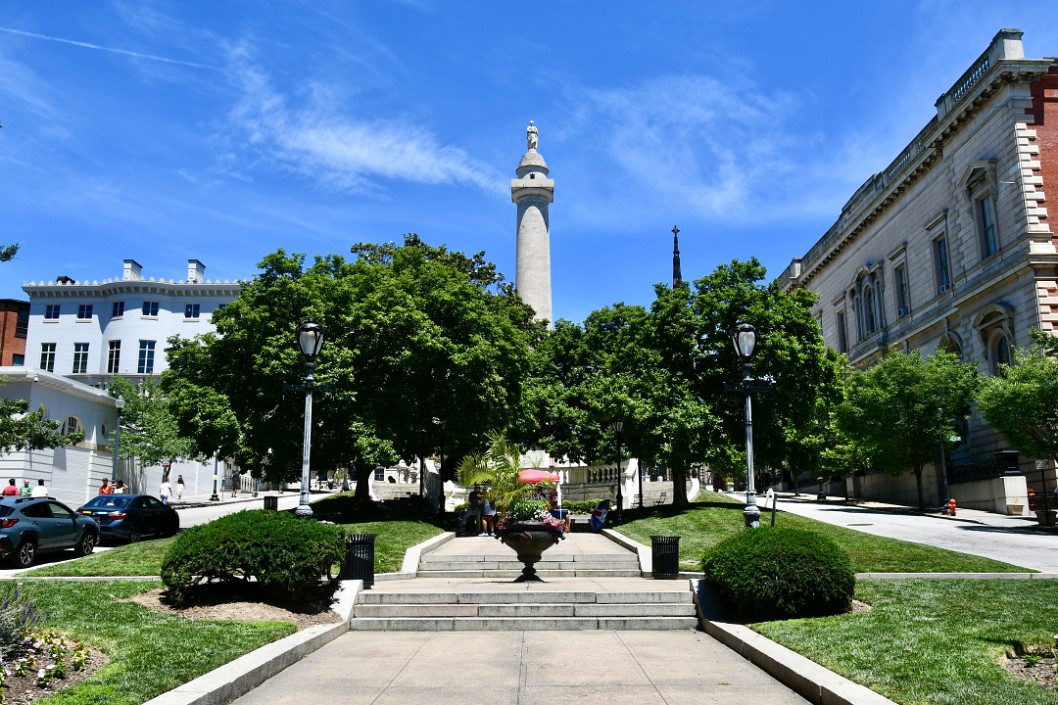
{"type": "Point", "coordinates": [780, 573]}
{"type": "Point", "coordinates": [283, 553]}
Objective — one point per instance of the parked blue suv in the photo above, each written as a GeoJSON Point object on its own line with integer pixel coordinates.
{"type": "Point", "coordinates": [32, 525]}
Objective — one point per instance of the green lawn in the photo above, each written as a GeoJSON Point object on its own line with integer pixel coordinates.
{"type": "Point", "coordinates": [150, 652]}
{"type": "Point", "coordinates": [933, 642]}
{"type": "Point", "coordinates": [706, 523]}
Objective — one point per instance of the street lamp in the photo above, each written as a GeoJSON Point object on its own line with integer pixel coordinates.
{"type": "Point", "coordinates": [120, 404]}
{"type": "Point", "coordinates": [745, 340]}
{"type": "Point", "coordinates": [310, 340]}
{"type": "Point", "coordinates": [617, 425]}
{"type": "Point", "coordinates": [216, 476]}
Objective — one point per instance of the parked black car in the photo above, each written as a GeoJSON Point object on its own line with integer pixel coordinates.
{"type": "Point", "coordinates": [130, 517]}
{"type": "Point", "coordinates": [34, 525]}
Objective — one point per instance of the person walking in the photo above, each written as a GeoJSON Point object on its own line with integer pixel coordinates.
{"type": "Point", "coordinates": [11, 490]}
{"type": "Point", "coordinates": [165, 490]}
{"type": "Point", "coordinates": [40, 490]}
{"type": "Point", "coordinates": [25, 490]}
{"type": "Point", "coordinates": [106, 487]}
{"type": "Point", "coordinates": [488, 514]}
{"type": "Point", "coordinates": [179, 487]}
{"type": "Point", "coordinates": [234, 483]}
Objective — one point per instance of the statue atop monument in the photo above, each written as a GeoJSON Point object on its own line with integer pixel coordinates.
{"type": "Point", "coordinates": [531, 135]}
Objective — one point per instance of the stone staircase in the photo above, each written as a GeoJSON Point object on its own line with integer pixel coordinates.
{"type": "Point", "coordinates": [501, 562]}
{"type": "Point", "coordinates": [519, 609]}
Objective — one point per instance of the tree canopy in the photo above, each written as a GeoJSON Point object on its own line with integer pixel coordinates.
{"type": "Point", "coordinates": [426, 349]}
{"type": "Point", "coordinates": [666, 372]}
{"type": "Point", "coordinates": [898, 411]}
{"type": "Point", "coordinates": [1022, 402]}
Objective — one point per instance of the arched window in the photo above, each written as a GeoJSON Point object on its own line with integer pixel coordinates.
{"type": "Point", "coordinates": [995, 325]}
{"type": "Point", "coordinates": [1000, 353]}
{"type": "Point", "coordinates": [72, 424]}
{"type": "Point", "coordinates": [869, 310]}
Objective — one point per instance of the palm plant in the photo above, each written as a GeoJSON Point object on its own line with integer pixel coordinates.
{"type": "Point", "coordinates": [497, 468]}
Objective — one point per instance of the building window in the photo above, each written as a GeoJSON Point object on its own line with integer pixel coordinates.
{"type": "Point", "coordinates": [84, 312]}
{"type": "Point", "coordinates": [380, 474]}
{"type": "Point", "coordinates": [80, 358]}
{"type": "Point", "coordinates": [870, 319]}
{"type": "Point", "coordinates": [192, 311]}
{"type": "Point", "coordinates": [117, 309]}
{"type": "Point", "coordinates": [51, 312]}
{"type": "Point", "coordinates": [1000, 353]}
{"type": "Point", "coordinates": [903, 291]}
{"type": "Point", "coordinates": [145, 366]}
{"type": "Point", "coordinates": [47, 357]}
{"type": "Point", "coordinates": [150, 308]}
{"type": "Point", "coordinates": [114, 357]}
{"type": "Point", "coordinates": [18, 360]}
{"type": "Point", "coordinates": [941, 264]}
{"type": "Point", "coordinates": [986, 225]}
{"type": "Point", "coordinates": [72, 424]}
{"type": "Point", "coordinates": [843, 336]}
{"type": "Point", "coordinates": [22, 323]}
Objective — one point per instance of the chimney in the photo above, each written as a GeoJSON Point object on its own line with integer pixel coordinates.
{"type": "Point", "coordinates": [132, 271]}
{"type": "Point", "coordinates": [196, 272]}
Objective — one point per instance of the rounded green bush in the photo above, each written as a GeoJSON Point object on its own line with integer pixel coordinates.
{"type": "Point", "coordinates": [780, 573]}
{"type": "Point", "coordinates": [281, 552]}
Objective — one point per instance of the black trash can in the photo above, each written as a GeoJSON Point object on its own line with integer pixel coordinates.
{"type": "Point", "coordinates": [359, 559]}
{"type": "Point", "coordinates": [665, 557]}
{"type": "Point", "coordinates": [272, 503]}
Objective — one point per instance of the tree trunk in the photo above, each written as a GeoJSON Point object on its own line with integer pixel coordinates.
{"type": "Point", "coordinates": [679, 486]}
{"type": "Point", "coordinates": [918, 483]}
{"type": "Point", "coordinates": [363, 484]}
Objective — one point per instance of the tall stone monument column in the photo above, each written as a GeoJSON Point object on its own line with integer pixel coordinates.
{"type": "Point", "coordinates": [533, 192]}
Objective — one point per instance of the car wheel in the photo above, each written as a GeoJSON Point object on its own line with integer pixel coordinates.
{"type": "Point", "coordinates": [135, 534]}
{"type": "Point", "coordinates": [86, 545]}
{"type": "Point", "coordinates": [25, 554]}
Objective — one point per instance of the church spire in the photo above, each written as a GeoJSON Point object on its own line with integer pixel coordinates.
{"type": "Point", "coordinates": [677, 276]}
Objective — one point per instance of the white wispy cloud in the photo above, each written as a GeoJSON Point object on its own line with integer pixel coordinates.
{"type": "Point", "coordinates": [112, 50]}
{"type": "Point", "coordinates": [305, 133]}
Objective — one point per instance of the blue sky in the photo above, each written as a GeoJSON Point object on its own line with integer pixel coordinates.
{"type": "Point", "coordinates": [168, 130]}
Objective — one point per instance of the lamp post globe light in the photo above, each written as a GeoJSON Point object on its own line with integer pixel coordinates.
{"type": "Point", "coordinates": [310, 340]}
{"type": "Point", "coordinates": [617, 425]}
{"type": "Point", "coordinates": [745, 341]}
{"type": "Point", "coordinates": [120, 404]}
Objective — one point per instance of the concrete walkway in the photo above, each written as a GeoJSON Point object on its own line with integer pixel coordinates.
{"type": "Point", "coordinates": [529, 667]}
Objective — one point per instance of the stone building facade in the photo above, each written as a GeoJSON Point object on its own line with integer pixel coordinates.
{"type": "Point", "coordinates": [951, 246]}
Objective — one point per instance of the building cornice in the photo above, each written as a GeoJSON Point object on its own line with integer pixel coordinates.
{"type": "Point", "coordinates": [111, 287]}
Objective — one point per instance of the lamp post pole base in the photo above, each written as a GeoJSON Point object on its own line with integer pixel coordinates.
{"type": "Point", "coordinates": [303, 511]}
{"type": "Point", "coordinates": [752, 516]}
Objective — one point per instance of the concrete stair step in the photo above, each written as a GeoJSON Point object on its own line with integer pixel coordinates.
{"type": "Point", "coordinates": [684, 597]}
{"type": "Point", "coordinates": [439, 624]}
{"type": "Point", "coordinates": [542, 572]}
{"type": "Point", "coordinates": [540, 609]}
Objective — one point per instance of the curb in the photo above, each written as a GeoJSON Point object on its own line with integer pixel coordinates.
{"type": "Point", "coordinates": [238, 677]}
{"type": "Point", "coordinates": [802, 675]}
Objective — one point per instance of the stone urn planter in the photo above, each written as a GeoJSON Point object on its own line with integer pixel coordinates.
{"type": "Point", "coordinates": [529, 539]}
{"type": "Point", "coordinates": [1047, 517]}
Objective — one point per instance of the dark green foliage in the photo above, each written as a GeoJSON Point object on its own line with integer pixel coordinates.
{"type": "Point", "coordinates": [583, 506]}
{"type": "Point", "coordinates": [779, 573]}
{"type": "Point", "coordinates": [282, 553]}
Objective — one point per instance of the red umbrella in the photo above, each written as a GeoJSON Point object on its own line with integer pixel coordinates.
{"type": "Point", "coordinates": [535, 475]}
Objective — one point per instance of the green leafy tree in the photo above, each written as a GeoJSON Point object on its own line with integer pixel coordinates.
{"type": "Point", "coordinates": [21, 429]}
{"type": "Point", "coordinates": [424, 348]}
{"type": "Point", "coordinates": [8, 252]}
{"type": "Point", "coordinates": [150, 433]}
{"type": "Point", "coordinates": [1022, 402]}
{"type": "Point", "coordinates": [890, 409]}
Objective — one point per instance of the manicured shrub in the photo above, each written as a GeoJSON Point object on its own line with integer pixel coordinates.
{"type": "Point", "coordinates": [283, 553]}
{"type": "Point", "coordinates": [582, 506]}
{"type": "Point", "coordinates": [780, 573]}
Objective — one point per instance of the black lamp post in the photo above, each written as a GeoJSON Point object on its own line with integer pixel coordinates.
{"type": "Point", "coordinates": [120, 404]}
{"type": "Point", "coordinates": [310, 340]}
{"type": "Point", "coordinates": [745, 340]}
{"type": "Point", "coordinates": [617, 425]}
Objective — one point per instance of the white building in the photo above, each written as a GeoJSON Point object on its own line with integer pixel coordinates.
{"type": "Point", "coordinates": [90, 331]}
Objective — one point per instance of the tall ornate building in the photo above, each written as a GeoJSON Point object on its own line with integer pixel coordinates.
{"type": "Point", "coordinates": [533, 192]}
{"type": "Point", "coordinates": [951, 246]}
